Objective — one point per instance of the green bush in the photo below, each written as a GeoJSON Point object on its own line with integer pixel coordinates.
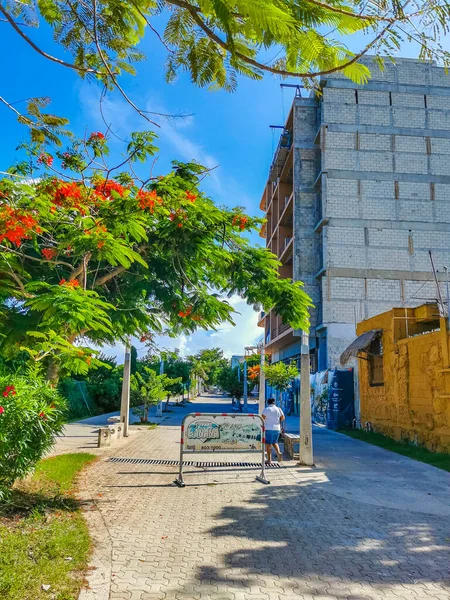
{"type": "Point", "coordinates": [31, 414]}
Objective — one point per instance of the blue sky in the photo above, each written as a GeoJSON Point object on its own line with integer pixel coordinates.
{"type": "Point", "coordinates": [230, 131]}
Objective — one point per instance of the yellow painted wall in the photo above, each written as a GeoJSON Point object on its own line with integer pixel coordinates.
{"type": "Point", "coordinates": [414, 402]}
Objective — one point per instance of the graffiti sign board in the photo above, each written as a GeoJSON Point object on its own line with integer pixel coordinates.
{"type": "Point", "coordinates": [210, 432]}
{"type": "Point", "coordinates": [222, 433]}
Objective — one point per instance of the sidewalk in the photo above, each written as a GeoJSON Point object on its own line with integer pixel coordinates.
{"type": "Point", "coordinates": [364, 523]}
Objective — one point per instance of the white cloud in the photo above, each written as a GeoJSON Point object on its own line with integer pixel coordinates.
{"type": "Point", "coordinates": [224, 188]}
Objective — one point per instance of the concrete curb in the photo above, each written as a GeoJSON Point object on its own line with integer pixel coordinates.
{"type": "Point", "coordinates": [98, 577]}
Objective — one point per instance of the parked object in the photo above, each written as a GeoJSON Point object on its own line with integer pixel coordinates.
{"type": "Point", "coordinates": [289, 440]}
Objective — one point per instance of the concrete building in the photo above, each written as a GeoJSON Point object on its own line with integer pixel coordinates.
{"type": "Point", "coordinates": [358, 193]}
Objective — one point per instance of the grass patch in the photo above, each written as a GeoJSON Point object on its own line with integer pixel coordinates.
{"type": "Point", "coordinates": [419, 453]}
{"type": "Point", "coordinates": [44, 539]}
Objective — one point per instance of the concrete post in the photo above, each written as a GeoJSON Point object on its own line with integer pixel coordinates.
{"type": "Point", "coordinates": [245, 386]}
{"type": "Point", "coordinates": [262, 382]}
{"type": "Point", "coordinates": [306, 447]}
{"type": "Point", "coordinates": [159, 407]}
{"type": "Point", "coordinates": [125, 399]}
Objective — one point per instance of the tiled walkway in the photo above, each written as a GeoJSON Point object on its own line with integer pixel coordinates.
{"type": "Point", "coordinates": [363, 524]}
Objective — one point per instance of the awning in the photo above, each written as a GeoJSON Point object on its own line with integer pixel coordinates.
{"type": "Point", "coordinates": [361, 344]}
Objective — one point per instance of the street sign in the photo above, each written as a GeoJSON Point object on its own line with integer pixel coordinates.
{"type": "Point", "coordinates": [210, 432]}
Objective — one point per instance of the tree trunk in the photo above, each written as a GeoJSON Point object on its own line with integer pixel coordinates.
{"type": "Point", "coordinates": [53, 372]}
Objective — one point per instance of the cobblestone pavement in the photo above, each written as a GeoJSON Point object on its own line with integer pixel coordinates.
{"type": "Point", "coordinates": [305, 536]}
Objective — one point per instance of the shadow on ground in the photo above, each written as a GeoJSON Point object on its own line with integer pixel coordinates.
{"type": "Point", "coordinates": [306, 534]}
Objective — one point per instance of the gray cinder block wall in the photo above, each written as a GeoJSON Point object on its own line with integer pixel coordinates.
{"type": "Point", "coordinates": [371, 186]}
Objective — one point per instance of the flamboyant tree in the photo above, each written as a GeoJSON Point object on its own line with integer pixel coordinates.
{"type": "Point", "coordinates": [91, 254]}
{"type": "Point", "coordinates": [219, 40]}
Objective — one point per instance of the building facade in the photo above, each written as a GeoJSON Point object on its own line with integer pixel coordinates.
{"type": "Point", "coordinates": [404, 375]}
{"type": "Point", "coordinates": [358, 194]}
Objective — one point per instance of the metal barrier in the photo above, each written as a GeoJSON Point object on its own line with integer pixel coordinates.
{"type": "Point", "coordinates": [203, 433]}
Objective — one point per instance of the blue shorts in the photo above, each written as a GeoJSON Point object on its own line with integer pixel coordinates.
{"type": "Point", "coordinates": [272, 436]}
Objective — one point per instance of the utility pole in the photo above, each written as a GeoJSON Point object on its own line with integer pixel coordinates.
{"type": "Point", "coordinates": [159, 407]}
{"type": "Point", "coordinates": [306, 447]}
{"type": "Point", "coordinates": [262, 381]}
{"type": "Point", "coordinates": [125, 399]}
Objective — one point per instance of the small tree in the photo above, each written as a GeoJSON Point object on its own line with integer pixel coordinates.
{"type": "Point", "coordinates": [147, 388]}
{"type": "Point", "coordinates": [279, 375]}
{"type": "Point", "coordinates": [198, 374]}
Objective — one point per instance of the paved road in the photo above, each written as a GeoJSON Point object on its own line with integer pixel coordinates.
{"type": "Point", "coordinates": [364, 523]}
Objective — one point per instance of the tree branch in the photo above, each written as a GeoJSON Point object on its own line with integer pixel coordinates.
{"type": "Point", "coordinates": [105, 278]}
{"type": "Point", "coordinates": [38, 50]}
{"type": "Point", "coordinates": [210, 33]}
{"type": "Point", "coordinates": [20, 284]}
{"type": "Point", "coordinates": [111, 74]}
{"type": "Point", "coordinates": [41, 260]}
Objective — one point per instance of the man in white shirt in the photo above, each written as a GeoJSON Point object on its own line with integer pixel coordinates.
{"type": "Point", "coordinates": [273, 417]}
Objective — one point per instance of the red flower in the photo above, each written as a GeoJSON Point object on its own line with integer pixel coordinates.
{"type": "Point", "coordinates": [10, 389]}
{"type": "Point", "coordinates": [73, 283]}
{"type": "Point", "coordinates": [2, 410]}
{"type": "Point", "coordinates": [88, 360]}
{"type": "Point", "coordinates": [180, 224]}
{"type": "Point", "coordinates": [100, 245]}
{"type": "Point", "coordinates": [185, 313]}
{"type": "Point", "coordinates": [239, 222]}
{"type": "Point", "coordinates": [49, 253]}
{"type": "Point", "coordinates": [103, 189]}
{"type": "Point", "coordinates": [190, 196]}
{"type": "Point", "coordinates": [43, 416]}
{"type": "Point", "coordinates": [45, 159]}
{"type": "Point", "coordinates": [148, 199]}
{"type": "Point", "coordinates": [69, 195]}
{"type": "Point", "coordinates": [94, 137]}
{"type": "Point", "coordinates": [16, 225]}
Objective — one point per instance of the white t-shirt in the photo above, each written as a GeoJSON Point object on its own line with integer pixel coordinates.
{"type": "Point", "coordinates": [273, 415]}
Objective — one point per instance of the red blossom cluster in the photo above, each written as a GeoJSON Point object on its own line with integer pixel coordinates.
{"type": "Point", "coordinates": [45, 159]}
{"type": "Point", "coordinates": [240, 222]}
{"type": "Point", "coordinates": [96, 136]}
{"type": "Point", "coordinates": [69, 195]}
{"type": "Point", "coordinates": [49, 253]}
{"type": "Point", "coordinates": [10, 390]}
{"type": "Point", "coordinates": [147, 337]}
{"type": "Point", "coordinates": [148, 199]}
{"type": "Point", "coordinates": [188, 313]}
{"type": "Point", "coordinates": [2, 410]}
{"type": "Point", "coordinates": [185, 313]}
{"type": "Point", "coordinates": [43, 416]}
{"type": "Point", "coordinates": [73, 283]}
{"type": "Point", "coordinates": [16, 225]}
{"type": "Point", "coordinates": [190, 196]}
{"type": "Point", "coordinates": [103, 189]}
{"type": "Point", "coordinates": [254, 372]}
